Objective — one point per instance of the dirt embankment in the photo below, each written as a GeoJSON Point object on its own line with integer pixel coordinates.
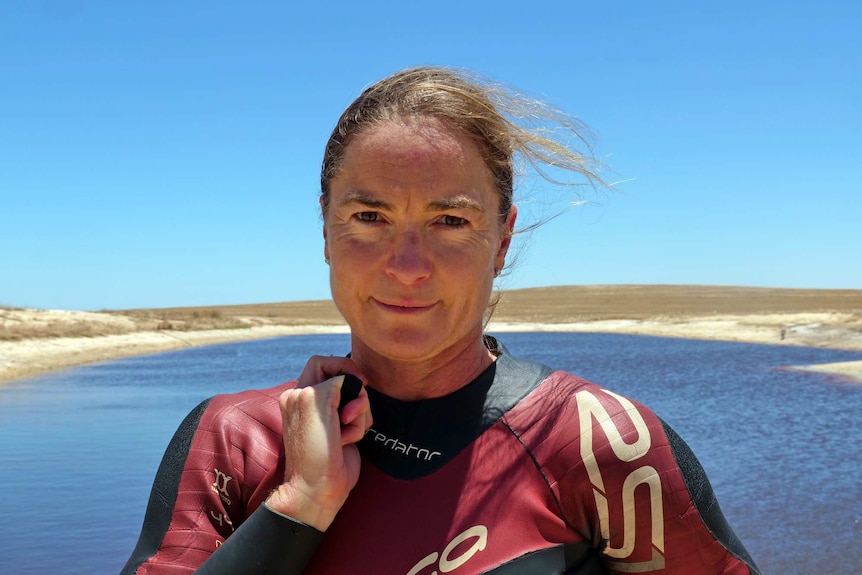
{"type": "Point", "coordinates": [34, 341]}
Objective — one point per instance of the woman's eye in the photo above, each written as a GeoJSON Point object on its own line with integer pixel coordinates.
{"type": "Point", "coordinates": [453, 221]}
{"type": "Point", "coordinates": [367, 216]}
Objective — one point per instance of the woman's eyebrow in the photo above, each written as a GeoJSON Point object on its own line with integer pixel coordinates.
{"type": "Point", "coordinates": [458, 202]}
{"type": "Point", "coordinates": [364, 198]}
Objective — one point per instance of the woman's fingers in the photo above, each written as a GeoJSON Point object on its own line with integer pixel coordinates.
{"type": "Point", "coordinates": [321, 463]}
{"type": "Point", "coordinates": [355, 418]}
{"type": "Point", "coordinates": [350, 388]}
{"type": "Point", "coordinates": [354, 415]}
{"type": "Point", "coordinates": [318, 471]}
{"type": "Point", "coordinates": [319, 368]}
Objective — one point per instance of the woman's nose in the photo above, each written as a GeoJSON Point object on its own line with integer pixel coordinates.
{"type": "Point", "coordinates": [408, 261]}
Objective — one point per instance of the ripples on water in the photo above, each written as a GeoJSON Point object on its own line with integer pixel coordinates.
{"type": "Point", "coordinates": [79, 448]}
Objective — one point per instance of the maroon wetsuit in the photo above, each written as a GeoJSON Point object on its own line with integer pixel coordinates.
{"type": "Point", "coordinates": [523, 471]}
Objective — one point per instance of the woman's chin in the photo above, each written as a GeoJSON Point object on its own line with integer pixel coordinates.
{"type": "Point", "coordinates": [412, 345]}
{"type": "Point", "coordinates": [407, 347]}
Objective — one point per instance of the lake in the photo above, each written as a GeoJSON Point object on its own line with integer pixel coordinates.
{"type": "Point", "coordinates": [79, 447]}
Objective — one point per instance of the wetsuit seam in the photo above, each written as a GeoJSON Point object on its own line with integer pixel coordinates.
{"type": "Point", "coordinates": [165, 491]}
{"type": "Point", "coordinates": [538, 467]}
{"type": "Point", "coordinates": [703, 499]}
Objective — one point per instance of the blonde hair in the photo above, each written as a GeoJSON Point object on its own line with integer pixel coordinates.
{"type": "Point", "coordinates": [507, 126]}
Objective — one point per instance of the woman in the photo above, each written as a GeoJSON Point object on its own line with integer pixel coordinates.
{"type": "Point", "coordinates": [454, 457]}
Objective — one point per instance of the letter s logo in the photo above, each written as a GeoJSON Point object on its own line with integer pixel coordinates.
{"type": "Point", "coordinates": [447, 564]}
{"type": "Point", "coordinates": [590, 409]}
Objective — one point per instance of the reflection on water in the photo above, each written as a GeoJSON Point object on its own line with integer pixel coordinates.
{"type": "Point", "coordinates": [80, 447]}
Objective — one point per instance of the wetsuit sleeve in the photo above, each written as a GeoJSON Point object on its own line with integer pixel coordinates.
{"type": "Point", "coordinates": [649, 505]}
{"type": "Point", "coordinates": [704, 499]}
{"type": "Point", "coordinates": [147, 555]}
{"type": "Point", "coordinates": [267, 542]}
{"type": "Point", "coordinates": [205, 511]}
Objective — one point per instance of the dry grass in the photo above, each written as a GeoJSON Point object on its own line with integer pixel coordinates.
{"type": "Point", "coordinates": [552, 305]}
{"type": "Point", "coordinates": [17, 324]}
{"type": "Point", "coordinates": [51, 329]}
{"type": "Point", "coordinates": [321, 312]}
{"type": "Point", "coordinates": [565, 304]}
{"type": "Point", "coordinates": [561, 304]}
{"type": "Point", "coordinates": [39, 341]}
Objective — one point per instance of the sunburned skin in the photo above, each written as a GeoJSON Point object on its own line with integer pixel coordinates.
{"type": "Point", "coordinates": [414, 239]}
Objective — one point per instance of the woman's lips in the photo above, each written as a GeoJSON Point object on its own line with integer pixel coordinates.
{"type": "Point", "coordinates": [405, 308]}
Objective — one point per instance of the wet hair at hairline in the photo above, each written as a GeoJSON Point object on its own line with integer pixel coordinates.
{"type": "Point", "coordinates": [504, 124]}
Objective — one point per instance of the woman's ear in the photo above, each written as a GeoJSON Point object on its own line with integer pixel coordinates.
{"type": "Point", "coordinates": [505, 238]}
{"type": "Point", "coordinates": [325, 243]}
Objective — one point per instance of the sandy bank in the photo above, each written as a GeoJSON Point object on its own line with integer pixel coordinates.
{"type": "Point", "coordinates": [829, 330]}
{"type": "Point", "coordinates": [846, 370]}
{"type": "Point", "coordinates": [31, 356]}
{"type": "Point", "coordinates": [36, 341]}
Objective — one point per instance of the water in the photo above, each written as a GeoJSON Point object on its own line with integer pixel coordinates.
{"type": "Point", "coordinates": [78, 448]}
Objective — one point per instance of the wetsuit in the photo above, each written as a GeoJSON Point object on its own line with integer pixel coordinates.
{"type": "Point", "coordinates": [523, 471]}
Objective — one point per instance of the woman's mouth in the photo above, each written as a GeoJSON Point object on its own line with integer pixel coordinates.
{"type": "Point", "coordinates": [404, 307]}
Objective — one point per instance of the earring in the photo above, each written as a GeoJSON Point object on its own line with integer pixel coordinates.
{"type": "Point", "coordinates": [326, 260]}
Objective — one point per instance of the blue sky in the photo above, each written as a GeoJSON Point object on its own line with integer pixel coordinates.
{"type": "Point", "coordinates": [161, 153]}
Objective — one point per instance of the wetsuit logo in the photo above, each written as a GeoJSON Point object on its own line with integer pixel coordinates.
{"type": "Point", "coordinates": [468, 543]}
{"type": "Point", "coordinates": [589, 409]}
{"type": "Point", "coordinates": [220, 485]}
{"type": "Point", "coordinates": [395, 444]}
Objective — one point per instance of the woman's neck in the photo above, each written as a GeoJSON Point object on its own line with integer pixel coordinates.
{"type": "Point", "coordinates": [449, 371]}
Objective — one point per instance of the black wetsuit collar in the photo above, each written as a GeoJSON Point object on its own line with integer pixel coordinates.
{"type": "Point", "coordinates": [410, 439]}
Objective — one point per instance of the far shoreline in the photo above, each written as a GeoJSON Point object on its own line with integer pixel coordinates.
{"type": "Point", "coordinates": [30, 358]}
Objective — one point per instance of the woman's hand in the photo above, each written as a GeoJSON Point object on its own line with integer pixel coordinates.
{"type": "Point", "coordinates": [321, 462]}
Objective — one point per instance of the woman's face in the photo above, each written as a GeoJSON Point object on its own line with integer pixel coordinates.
{"type": "Point", "coordinates": [413, 235]}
